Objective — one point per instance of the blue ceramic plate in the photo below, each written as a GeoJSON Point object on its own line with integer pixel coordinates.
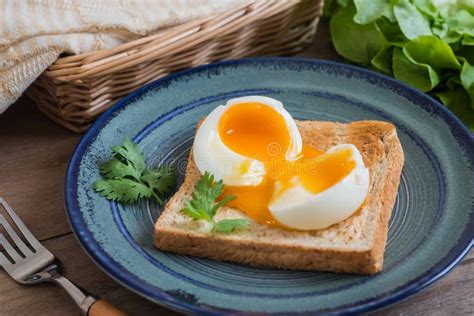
{"type": "Point", "coordinates": [431, 228]}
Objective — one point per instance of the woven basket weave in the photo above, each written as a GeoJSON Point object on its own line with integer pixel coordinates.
{"type": "Point", "coordinates": [78, 88]}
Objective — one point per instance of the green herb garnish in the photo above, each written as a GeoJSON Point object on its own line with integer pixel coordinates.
{"type": "Point", "coordinates": [127, 179]}
{"type": "Point", "coordinates": [227, 226]}
{"type": "Point", "coordinates": [203, 205]}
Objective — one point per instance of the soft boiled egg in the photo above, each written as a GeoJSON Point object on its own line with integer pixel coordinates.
{"type": "Point", "coordinates": [234, 139]}
{"type": "Point", "coordinates": [253, 144]}
{"type": "Point", "coordinates": [332, 187]}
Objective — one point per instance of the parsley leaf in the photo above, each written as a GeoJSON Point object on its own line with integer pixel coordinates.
{"type": "Point", "coordinates": [127, 179]}
{"type": "Point", "coordinates": [221, 203]}
{"type": "Point", "coordinates": [193, 210]}
{"type": "Point", "coordinates": [116, 169]}
{"type": "Point", "coordinates": [130, 153]}
{"type": "Point", "coordinates": [160, 180]}
{"type": "Point", "coordinates": [206, 192]}
{"type": "Point", "coordinates": [122, 190]}
{"type": "Point", "coordinates": [203, 206]}
{"type": "Point", "coordinates": [227, 226]}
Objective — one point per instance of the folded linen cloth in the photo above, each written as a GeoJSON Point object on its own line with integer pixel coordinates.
{"type": "Point", "coordinates": [33, 33]}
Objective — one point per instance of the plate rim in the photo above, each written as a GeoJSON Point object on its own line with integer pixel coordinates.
{"type": "Point", "coordinates": [156, 295]}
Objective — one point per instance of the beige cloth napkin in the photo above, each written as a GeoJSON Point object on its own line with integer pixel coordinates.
{"type": "Point", "coordinates": [33, 33]}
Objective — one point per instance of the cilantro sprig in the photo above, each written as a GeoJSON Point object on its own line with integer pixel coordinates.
{"type": "Point", "coordinates": [126, 177]}
{"type": "Point", "coordinates": [203, 206]}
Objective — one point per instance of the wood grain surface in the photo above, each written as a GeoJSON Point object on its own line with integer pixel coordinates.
{"type": "Point", "coordinates": [34, 153]}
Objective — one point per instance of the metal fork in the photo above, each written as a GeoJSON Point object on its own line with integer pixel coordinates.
{"type": "Point", "coordinates": [31, 263]}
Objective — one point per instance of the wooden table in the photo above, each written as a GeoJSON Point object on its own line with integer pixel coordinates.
{"type": "Point", "coordinates": [34, 153]}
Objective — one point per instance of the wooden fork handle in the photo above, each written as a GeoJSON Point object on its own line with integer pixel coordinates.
{"type": "Point", "coordinates": [89, 304]}
{"type": "Point", "coordinates": [104, 308]}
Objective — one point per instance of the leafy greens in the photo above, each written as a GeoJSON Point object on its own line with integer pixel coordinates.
{"type": "Point", "coordinates": [428, 44]}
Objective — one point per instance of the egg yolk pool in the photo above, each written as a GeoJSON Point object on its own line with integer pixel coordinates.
{"type": "Point", "coordinates": [257, 131]}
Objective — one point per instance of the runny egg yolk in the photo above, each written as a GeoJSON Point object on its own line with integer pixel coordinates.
{"type": "Point", "coordinates": [254, 130]}
{"type": "Point", "coordinates": [257, 131]}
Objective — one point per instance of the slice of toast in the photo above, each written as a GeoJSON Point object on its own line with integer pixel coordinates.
{"type": "Point", "coordinates": [355, 245]}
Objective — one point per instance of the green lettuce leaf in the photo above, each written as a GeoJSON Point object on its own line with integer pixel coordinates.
{"type": "Point", "coordinates": [462, 22]}
{"type": "Point", "coordinates": [391, 32]}
{"type": "Point", "coordinates": [428, 44]}
{"type": "Point", "coordinates": [383, 59]}
{"type": "Point", "coordinates": [467, 80]}
{"type": "Point", "coordinates": [451, 7]}
{"type": "Point", "coordinates": [369, 10]}
{"type": "Point", "coordinates": [343, 3]}
{"type": "Point", "coordinates": [421, 76]}
{"type": "Point", "coordinates": [412, 22]}
{"type": "Point", "coordinates": [466, 52]}
{"type": "Point", "coordinates": [427, 7]}
{"type": "Point", "coordinates": [457, 100]}
{"type": "Point", "coordinates": [432, 51]}
{"type": "Point", "coordinates": [357, 43]}
{"type": "Point", "coordinates": [439, 27]}
{"type": "Point", "coordinates": [332, 6]}
{"type": "Point", "coordinates": [468, 40]}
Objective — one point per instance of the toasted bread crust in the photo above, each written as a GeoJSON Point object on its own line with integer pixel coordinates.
{"type": "Point", "coordinates": [383, 155]}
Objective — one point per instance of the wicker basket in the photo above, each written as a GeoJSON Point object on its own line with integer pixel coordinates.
{"type": "Point", "coordinates": [76, 89]}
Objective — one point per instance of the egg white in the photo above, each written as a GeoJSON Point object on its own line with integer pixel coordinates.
{"type": "Point", "coordinates": [300, 209]}
{"type": "Point", "coordinates": [212, 155]}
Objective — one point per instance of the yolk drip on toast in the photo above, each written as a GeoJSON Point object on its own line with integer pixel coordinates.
{"type": "Point", "coordinates": [257, 131]}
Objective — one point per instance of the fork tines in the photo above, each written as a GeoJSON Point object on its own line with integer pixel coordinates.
{"type": "Point", "coordinates": [9, 255]}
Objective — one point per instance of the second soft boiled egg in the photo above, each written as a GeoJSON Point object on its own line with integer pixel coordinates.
{"type": "Point", "coordinates": [329, 190]}
{"type": "Point", "coordinates": [253, 144]}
